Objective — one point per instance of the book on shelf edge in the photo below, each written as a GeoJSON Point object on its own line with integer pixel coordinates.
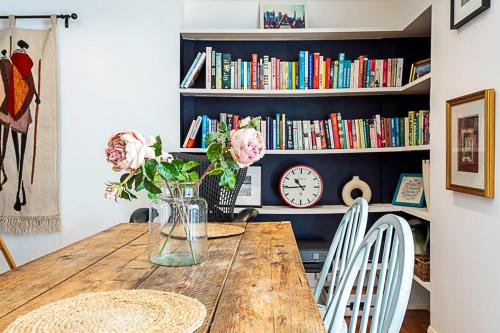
{"type": "Point", "coordinates": [191, 68]}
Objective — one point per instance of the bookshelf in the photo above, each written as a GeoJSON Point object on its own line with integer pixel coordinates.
{"type": "Point", "coordinates": [379, 167]}
{"type": "Point", "coordinates": [419, 86]}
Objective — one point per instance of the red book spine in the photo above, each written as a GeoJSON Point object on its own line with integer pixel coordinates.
{"type": "Point", "coordinates": [335, 127]}
{"type": "Point", "coordinates": [253, 74]}
{"type": "Point", "coordinates": [322, 134]}
{"type": "Point", "coordinates": [278, 74]}
{"type": "Point", "coordinates": [236, 120]}
{"type": "Point", "coordinates": [382, 132]}
{"type": "Point", "coordinates": [313, 137]}
{"type": "Point", "coordinates": [384, 74]}
{"type": "Point", "coordinates": [190, 143]}
{"type": "Point", "coordinates": [327, 74]}
{"type": "Point", "coordinates": [361, 73]}
{"type": "Point", "coordinates": [349, 133]}
{"type": "Point", "coordinates": [316, 71]}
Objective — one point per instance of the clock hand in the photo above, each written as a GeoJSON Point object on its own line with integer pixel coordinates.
{"type": "Point", "coordinates": [298, 183]}
{"type": "Point", "coordinates": [293, 187]}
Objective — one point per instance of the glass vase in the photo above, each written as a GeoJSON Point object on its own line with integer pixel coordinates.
{"type": "Point", "coordinates": [178, 226]}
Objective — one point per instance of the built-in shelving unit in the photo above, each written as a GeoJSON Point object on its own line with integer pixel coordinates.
{"type": "Point", "coordinates": [419, 86]}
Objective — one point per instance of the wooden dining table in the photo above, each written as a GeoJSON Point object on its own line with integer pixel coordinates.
{"type": "Point", "coordinates": [254, 282]}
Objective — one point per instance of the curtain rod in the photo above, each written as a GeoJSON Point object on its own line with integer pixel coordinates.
{"type": "Point", "coordinates": [65, 17]}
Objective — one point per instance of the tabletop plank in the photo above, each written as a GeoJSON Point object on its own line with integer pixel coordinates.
{"type": "Point", "coordinates": [266, 289]}
{"type": "Point", "coordinates": [33, 279]}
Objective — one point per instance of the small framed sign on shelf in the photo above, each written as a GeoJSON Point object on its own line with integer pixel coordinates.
{"type": "Point", "coordinates": [410, 190]}
{"type": "Point", "coordinates": [250, 194]}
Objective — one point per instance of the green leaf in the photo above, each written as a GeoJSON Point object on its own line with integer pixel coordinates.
{"type": "Point", "coordinates": [216, 171]}
{"type": "Point", "coordinates": [157, 146]}
{"type": "Point", "coordinates": [150, 187]}
{"type": "Point", "coordinates": [125, 195]}
{"type": "Point", "coordinates": [168, 171]}
{"type": "Point", "coordinates": [131, 195]}
{"type": "Point", "coordinates": [211, 137]}
{"type": "Point", "coordinates": [214, 151]}
{"type": "Point", "coordinates": [139, 186]}
{"type": "Point", "coordinates": [130, 182]}
{"type": "Point", "coordinates": [193, 175]}
{"type": "Point", "coordinates": [232, 163]}
{"type": "Point", "coordinates": [222, 127]}
{"type": "Point", "coordinates": [150, 167]}
{"type": "Point", "coordinates": [178, 163]}
{"type": "Point", "coordinates": [123, 177]}
{"type": "Point", "coordinates": [255, 122]}
{"type": "Point", "coordinates": [228, 179]}
{"type": "Point", "coordinates": [189, 165]}
{"type": "Point", "coordinates": [152, 196]}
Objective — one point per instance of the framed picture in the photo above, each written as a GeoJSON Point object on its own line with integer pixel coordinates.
{"type": "Point", "coordinates": [470, 143]}
{"type": "Point", "coordinates": [462, 11]}
{"type": "Point", "coordinates": [410, 190]}
{"type": "Point", "coordinates": [283, 15]}
{"type": "Point", "coordinates": [419, 69]}
{"type": "Point", "coordinates": [250, 193]}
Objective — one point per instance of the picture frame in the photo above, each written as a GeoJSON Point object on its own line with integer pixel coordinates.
{"type": "Point", "coordinates": [250, 194]}
{"type": "Point", "coordinates": [409, 191]}
{"type": "Point", "coordinates": [470, 143]}
{"type": "Point", "coordinates": [420, 69]}
{"type": "Point", "coordinates": [462, 11]}
{"type": "Point", "coordinates": [278, 15]}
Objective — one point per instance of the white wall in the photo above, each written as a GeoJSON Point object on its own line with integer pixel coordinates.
{"type": "Point", "coordinates": [465, 230]}
{"type": "Point", "coordinates": [118, 70]}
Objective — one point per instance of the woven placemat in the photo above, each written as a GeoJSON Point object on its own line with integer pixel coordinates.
{"type": "Point", "coordinates": [115, 311]}
{"type": "Point", "coordinates": [214, 230]}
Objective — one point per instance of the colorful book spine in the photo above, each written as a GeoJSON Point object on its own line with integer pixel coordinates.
{"type": "Point", "coordinates": [302, 70]}
{"type": "Point", "coordinates": [218, 70]}
{"type": "Point", "coordinates": [253, 76]}
{"type": "Point", "coordinates": [310, 71]}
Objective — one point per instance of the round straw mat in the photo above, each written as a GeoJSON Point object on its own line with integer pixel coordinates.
{"type": "Point", "coordinates": [214, 230]}
{"type": "Point", "coordinates": [115, 311]}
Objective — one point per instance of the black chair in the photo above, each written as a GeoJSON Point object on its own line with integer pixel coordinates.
{"type": "Point", "coordinates": [220, 201]}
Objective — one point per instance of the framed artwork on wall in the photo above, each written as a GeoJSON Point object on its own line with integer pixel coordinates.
{"type": "Point", "coordinates": [250, 194]}
{"type": "Point", "coordinates": [410, 190]}
{"type": "Point", "coordinates": [462, 11]}
{"type": "Point", "coordinates": [470, 143]}
{"type": "Point", "coordinates": [283, 15]}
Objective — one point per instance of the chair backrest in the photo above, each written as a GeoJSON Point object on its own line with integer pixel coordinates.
{"type": "Point", "coordinates": [389, 246]}
{"type": "Point", "coordinates": [220, 201]}
{"type": "Point", "coordinates": [6, 254]}
{"type": "Point", "coordinates": [344, 245]}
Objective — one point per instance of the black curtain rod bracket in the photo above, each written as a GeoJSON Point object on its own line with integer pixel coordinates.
{"type": "Point", "coordinates": [65, 17]}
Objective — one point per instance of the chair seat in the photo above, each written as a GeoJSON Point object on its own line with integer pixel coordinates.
{"type": "Point", "coordinates": [322, 311]}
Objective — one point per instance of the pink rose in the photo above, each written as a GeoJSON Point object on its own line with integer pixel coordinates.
{"type": "Point", "coordinates": [126, 151]}
{"type": "Point", "coordinates": [247, 146]}
{"type": "Point", "coordinates": [110, 192]}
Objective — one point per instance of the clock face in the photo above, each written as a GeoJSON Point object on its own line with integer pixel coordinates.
{"type": "Point", "coordinates": [301, 186]}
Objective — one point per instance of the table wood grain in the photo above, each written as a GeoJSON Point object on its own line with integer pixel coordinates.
{"type": "Point", "coordinates": [253, 282]}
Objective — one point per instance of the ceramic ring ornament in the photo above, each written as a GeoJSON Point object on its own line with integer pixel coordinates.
{"type": "Point", "coordinates": [356, 184]}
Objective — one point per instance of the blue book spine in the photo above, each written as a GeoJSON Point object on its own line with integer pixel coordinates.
{"type": "Point", "coordinates": [204, 133]}
{"type": "Point", "coordinates": [347, 69]}
{"type": "Point", "coordinates": [258, 75]}
{"type": "Point", "coordinates": [242, 76]}
{"type": "Point", "coordinates": [340, 81]}
{"type": "Point", "coordinates": [367, 73]}
{"type": "Point", "coordinates": [393, 132]}
{"type": "Point", "coordinates": [302, 70]}
{"type": "Point", "coordinates": [310, 64]}
{"type": "Point", "coordinates": [271, 133]}
{"type": "Point", "coordinates": [348, 78]}
{"type": "Point", "coordinates": [269, 125]}
{"type": "Point", "coordinates": [277, 143]}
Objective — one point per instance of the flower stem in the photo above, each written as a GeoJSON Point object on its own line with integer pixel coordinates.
{"type": "Point", "coordinates": [205, 173]}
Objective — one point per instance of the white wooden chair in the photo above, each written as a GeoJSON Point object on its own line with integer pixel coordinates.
{"type": "Point", "coordinates": [344, 245]}
{"type": "Point", "coordinates": [390, 244]}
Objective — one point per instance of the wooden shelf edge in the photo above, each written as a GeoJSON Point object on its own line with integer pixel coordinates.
{"type": "Point", "coordinates": [326, 151]}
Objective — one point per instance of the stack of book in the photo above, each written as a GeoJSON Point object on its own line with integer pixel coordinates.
{"type": "Point", "coordinates": [311, 70]}
{"type": "Point", "coordinates": [280, 133]}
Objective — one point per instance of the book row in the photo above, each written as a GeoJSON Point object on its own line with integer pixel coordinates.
{"type": "Point", "coordinates": [311, 70]}
{"type": "Point", "coordinates": [280, 133]}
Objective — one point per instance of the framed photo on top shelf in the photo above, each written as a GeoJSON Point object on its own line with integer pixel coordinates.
{"type": "Point", "coordinates": [470, 143]}
{"type": "Point", "coordinates": [283, 15]}
{"type": "Point", "coordinates": [250, 194]}
{"type": "Point", "coordinates": [410, 190]}
{"type": "Point", "coordinates": [462, 11]}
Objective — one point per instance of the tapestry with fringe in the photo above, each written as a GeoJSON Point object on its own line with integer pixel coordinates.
{"type": "Point", "coordinates": [29, 184]}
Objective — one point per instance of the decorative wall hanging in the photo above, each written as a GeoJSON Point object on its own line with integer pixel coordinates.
{"type": "Point", "coordinates": [283, 15]}
{"type": "Point", "coordinates": [29, 191]}
{"type": "Point", "coordinates": [470, 143]}
{"type": "Point", "coordinates": [462, 11]}
{"type": "Point", "coordinates": [356, 184]}
{"type": "Point", "coordinates": [410, 191]}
